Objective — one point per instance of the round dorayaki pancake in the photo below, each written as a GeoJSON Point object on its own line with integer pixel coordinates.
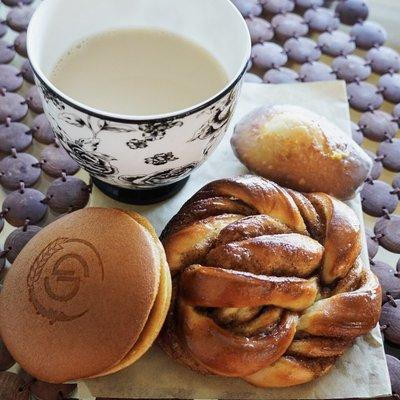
{"type": "Point", "coordinates": [153, 326]}
{"type": "Point", "coordinates": [158, 312]}
{"type": "Point", "coordinates": [80, 293]}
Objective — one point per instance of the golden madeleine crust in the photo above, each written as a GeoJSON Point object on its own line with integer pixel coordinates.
{"type": "Point", "coordinates": [301, 150]}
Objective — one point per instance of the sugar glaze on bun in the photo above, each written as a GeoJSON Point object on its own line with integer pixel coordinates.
{"type": "Point", "coordinates": [301, 150]}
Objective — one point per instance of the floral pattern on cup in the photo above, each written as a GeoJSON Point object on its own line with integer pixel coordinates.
{"type": "Point", "coordinates": [133, 153]}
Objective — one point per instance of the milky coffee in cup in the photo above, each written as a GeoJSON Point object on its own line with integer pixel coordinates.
{"type": "Point", "coordinates": [139, 72]}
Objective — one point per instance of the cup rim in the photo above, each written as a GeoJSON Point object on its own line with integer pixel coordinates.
{"type": "Point", "coordinates": [126, 118]}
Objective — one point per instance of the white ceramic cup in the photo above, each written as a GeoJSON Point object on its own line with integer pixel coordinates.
{"type": "Point", "coordinates": [132, 151]}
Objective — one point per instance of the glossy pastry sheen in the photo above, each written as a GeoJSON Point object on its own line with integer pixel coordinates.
{"type": "Point", "coordinates": [268, 283]}
{"type": "Point", "coordinates": [300, 150]}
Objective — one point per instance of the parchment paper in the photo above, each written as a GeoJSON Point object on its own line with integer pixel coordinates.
{"type": "Point", "coordinates": [361, 372]}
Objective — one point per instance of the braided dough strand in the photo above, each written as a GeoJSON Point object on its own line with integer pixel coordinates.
{"type": "Point", "coordinates": [268, 286]}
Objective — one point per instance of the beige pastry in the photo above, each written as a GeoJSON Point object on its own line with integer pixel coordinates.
{"type": "Point", "coordinates": [300, 150]}
{"type": "Point", "coordinates": [86, 297]}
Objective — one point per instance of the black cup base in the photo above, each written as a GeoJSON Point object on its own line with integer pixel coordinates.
{"type": "Point", "coordinates": [140, 196]}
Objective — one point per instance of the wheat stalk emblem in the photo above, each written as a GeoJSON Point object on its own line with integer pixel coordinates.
{"type": "Point", "coordinates": [34, 275]}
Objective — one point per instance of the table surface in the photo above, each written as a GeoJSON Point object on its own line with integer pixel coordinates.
{"type": "Point", "coordinates": [387, 13]}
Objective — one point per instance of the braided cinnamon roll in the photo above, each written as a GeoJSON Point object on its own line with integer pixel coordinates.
{"type": "Point", "coordinates": [268, 283]}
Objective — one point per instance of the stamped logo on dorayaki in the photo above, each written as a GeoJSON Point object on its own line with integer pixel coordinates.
{"type": "Point", "coordinates": [64, 279]}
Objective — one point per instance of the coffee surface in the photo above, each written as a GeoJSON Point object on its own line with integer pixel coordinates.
{"type": "Point", "coordinates": [139, 72]}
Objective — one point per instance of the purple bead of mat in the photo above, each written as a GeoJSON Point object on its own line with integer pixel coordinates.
{"type": "Point", "coordinates": [356, 133]}
{"type": "Point", "coordinates": [13, 106]}
{"type": "Point", "coordinates": [351, 68]}
{"type": "Point", "coordinates": [396, 113]}
{"type": "Point", "coordinates": [393, 364]}
{"type": "Point", "coordinates": [364, 96]}
{"type": "Point", "coordinates": [252, 78]}
{"type": "Point", "coordinates": [3, 28]}
{"type": "Point", "coordinates": [20, 44]}
{"type": "Point", "coordinates": [396, 182]}
{"type": "Point", "coordinates": [377, 198]}
{"type": "Point", "coordinates": [278, 6]}
{"type": "Point", "coordinates": [56, 160]}
{"type": "Point", "coordinates": [302, 50]}
{"type": "Point", "coordinates": [390, 151]}
{"type": "Point", "coordinates": [316, 71]}
{"type": "Point", "coordinates": [42, 130]}
{"type": "Point", "coordinates": [280, 75]}
{"type": "Point", "coordinates": [14, 136]}
{"type": "Point", "coordinates": [390, 322]}
{"type": "Point", "coordinates": [368, 34]}
{"type": "Point", "coordinates": [372, 244]}
{"type": "Point", "coordinates": [377, 166]}
{"type": "Point", "coordinates": [321, 19]}
{"type": "Point", "coordinates": [388, 232]}
{"type": "Point", "coordinates": [289, 25]}
{"type": "Point", "coordinates": [27, 72]}
{"type": "Point", "coordinates": [26, 377]}
{"type": "Point", "coordinates": [10, 78]}
{"type": "Point", "coordinates": [2, 258]}
{"type": "Point", "coordinates": [14, 3]}
{"type": "Point", "coordinates": [268, 55]}
{"type": "Point", "coordinates": [309, 3]}
{"type": "Point", "coordinates": [389, 84]}
{"type": "Point", "coordinates": [23, 167]}
{"type": "Point", "coordinates": [34, 101]}
{"type": "Point", "coordinates": [336, 43]}
{"type": "Point", "coordinates": [260, 29]}
{"type": "Point", "coordinates": [383, 60]}
{"type": "Point", "coordinates": [18, 17]}
{"type": "Point", "coordinates": [352, 11]}
{"type": "Point", "coordinates": [388, 278]}
{"type": "Point", "coordinates": [6, 359]}
{"type": "Point", "coordinates": [51, 391]}
{"type": "Point", "coordinates": [7, 52]}
{"type": "Point", "coordinates": [12, 387]}
{"type": "Point", "coordinates": [248, 7]}
{"type": "Point", "coordinates": [22, 205]}
{"type": "Point", "coordinates": [17, 240]}
{"type": "Point", "coordinates": [67, 194]}
{"type": "Point", "coordinates": [377, 125]}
